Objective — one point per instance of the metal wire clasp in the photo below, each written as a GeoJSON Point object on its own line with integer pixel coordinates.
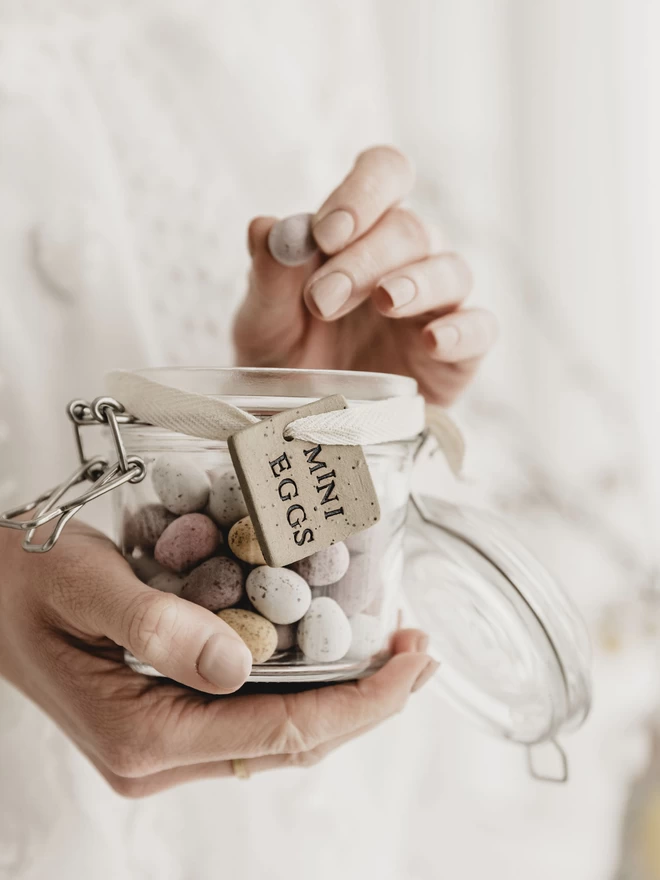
{"type": "Point", "coordinates": [98, 471]}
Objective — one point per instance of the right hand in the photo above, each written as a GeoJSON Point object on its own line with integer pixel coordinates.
{"type": "Point", "coordinates": [63, 615]}
{"type": "Point", "coordinates": [386, 294]}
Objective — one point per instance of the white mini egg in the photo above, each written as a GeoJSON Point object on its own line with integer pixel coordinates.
{"type": "Point", "coordinates": [367, 637]}
{"type": "Point", "coordinates": [167, 582]}
{"type": "Point", "coordinates": [226, 501]}
{"type": "Point", "coordinates": [280, 594]}
{"type": "Point", "coordinates": [326, 566]}
{"type": "Point", "coordinates": [180, 485]}
{"type": "Point", "coordinates": [145, 567]}
{"type": "Point", "coordinates": [324, 633]}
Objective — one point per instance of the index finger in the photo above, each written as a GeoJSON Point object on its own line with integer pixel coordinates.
{"type": "Point", "coordinates": [380, 178]}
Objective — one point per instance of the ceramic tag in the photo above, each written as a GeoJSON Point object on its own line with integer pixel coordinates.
{"type": "Point", "coordinates": [302, 496]}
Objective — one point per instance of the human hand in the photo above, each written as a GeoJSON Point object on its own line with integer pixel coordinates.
{"type": "Point", "coordinates": [386, 294]}
{"type": "Point", "coordinates": [64, 614]}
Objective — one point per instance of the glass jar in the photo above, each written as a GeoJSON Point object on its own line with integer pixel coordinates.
{"type": "Point", "coordinates": [513, 650]}
{"type": "Point", "coordinates": [191, 484]}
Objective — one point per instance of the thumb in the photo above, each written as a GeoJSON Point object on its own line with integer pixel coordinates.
{"type": "Point", "coordinates": [181, 640]}
{"type": "Point", "coordinates": [273, 318]}
{"type": "Point", "coordinates": [178, 638]}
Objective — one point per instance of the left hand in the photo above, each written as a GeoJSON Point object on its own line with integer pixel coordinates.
{"type": "Point", "coordinates": [63, 616]}
{"type": "Point", "coordinates": [384, 295]}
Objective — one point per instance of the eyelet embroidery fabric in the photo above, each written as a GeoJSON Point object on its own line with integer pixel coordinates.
{"type": "Point", "coordinates": [139, 137]}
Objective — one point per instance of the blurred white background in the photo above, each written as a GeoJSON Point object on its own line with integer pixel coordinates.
{"type": "Point", "coordinates": [538, 125]}
{"type": "Point", "coordinates": [534, 127]}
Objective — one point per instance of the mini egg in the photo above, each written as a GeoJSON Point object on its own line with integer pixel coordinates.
{"type": "Point", "coordinates": [180, 485]}
{"type": "Point", "coordinates": [367, 637]}
{"type": "Point", "coordinates": [143, 527]}
{"type": "Point", "coordinates": [243, 542]}
{"type": "Point", "coordinates": [280, 594]}
{"type": "Point", "coordinates": [145, 567]}
{"type": "Point", "coordinates": [290, 240]}
{"type": "Point", "coordinates": [258, 633]}
{"type": "Point", "coordinates": [167, 582]}
{"type": "Point", "coordinates": [359, 586]}
{"type": "Point", "coordinates": [226, 501]}
{"type": "Point", "coordinates": [215, 584]}
{"type": "Point", "coordinates": [286, 636]}
{"type": "Point", "coordinates": [324, 633]}
{"type": "Point", "coordinates": [187, 541]}
{"type": "Point", "coordinates": [324, 567]}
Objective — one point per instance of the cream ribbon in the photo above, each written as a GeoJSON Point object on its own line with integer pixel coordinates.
{"type": "Point", "coordinates": [198, 415]}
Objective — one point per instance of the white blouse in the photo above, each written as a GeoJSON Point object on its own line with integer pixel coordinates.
{"type": "Point", "coordinates": [138, 138]}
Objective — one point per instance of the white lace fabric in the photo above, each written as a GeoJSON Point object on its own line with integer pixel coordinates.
{"type": "Point", "coordinates": [138, 139]}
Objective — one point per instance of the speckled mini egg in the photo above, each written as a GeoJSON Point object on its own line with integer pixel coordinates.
{"type": "Point", "coordinates": [180, 485]}
{"type": "Point", "coordinates": [286, 636]}
{"type": "Point", "coordinates": [367, 637]}
{"type": "Point", "coordinates": [279, 594]}
{"type": "Point", "coordinates": [258, 633]}
{"type": "Point", "coordinates": [243, 542]}
{"type": "Point", "coordinates": [167, 582]}
{"type": "Point", "coordinates": [324, 633]}
{"type": "Point", "coordinates": [226, 501]}
{"type": "Point", "coordinates": [143, 527]}
{"type": "Point", "coordinates": [359, 586]}
{"type": "Point", "coordinates": [215, 584]}
{"type": "Point", "coordinates": [325, 567]}
{"type": "Point", "coordinates": [187, 541]}
{"type": "Point", "coordinates": [290, 240]}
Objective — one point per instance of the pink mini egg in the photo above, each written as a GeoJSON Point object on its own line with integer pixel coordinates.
{"type": "Point", "coordinates": [143, 527]}
{"type": "Point", "coordinates": [358, 588]}
{"type": "Point", "coordinates": [187, 541]}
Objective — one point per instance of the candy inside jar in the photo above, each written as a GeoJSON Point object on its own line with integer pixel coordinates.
{"type": "Point", "coordinates": [185, 529]}
{"type": "Point", "coordinates": [514, 652]}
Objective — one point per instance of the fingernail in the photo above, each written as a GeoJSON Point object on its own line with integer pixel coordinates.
{"type": "Point", "coordinates": [427, 673]}
{"type": "Point", "coordinates": [443, 339]}
{"type": "Point", "coordinates": [225, 662]}
{"type": "Point", "coordinates": [422, 644]}
{"type": "Point", "coordinates": [330, 293]}
{"type": "Point", "coordinates": [334, 231]}
{"type": "Point", "coordinates": [397, 292]}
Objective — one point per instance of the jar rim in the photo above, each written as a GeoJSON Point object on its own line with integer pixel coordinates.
{"type": "Point", "coordinates": [282, 382]}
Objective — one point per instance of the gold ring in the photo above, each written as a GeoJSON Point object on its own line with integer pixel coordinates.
{"type": "Point", "coordinates": [240, 769]}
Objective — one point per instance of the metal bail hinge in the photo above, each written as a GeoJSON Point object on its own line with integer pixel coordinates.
{"type": "Point", "coordinates": [103, 476]}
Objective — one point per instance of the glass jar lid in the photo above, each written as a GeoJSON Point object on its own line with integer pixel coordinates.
{"type": "Point", "coordinates": [513, 649]}
{"type": "Point", "coordinates": [236, 383]}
